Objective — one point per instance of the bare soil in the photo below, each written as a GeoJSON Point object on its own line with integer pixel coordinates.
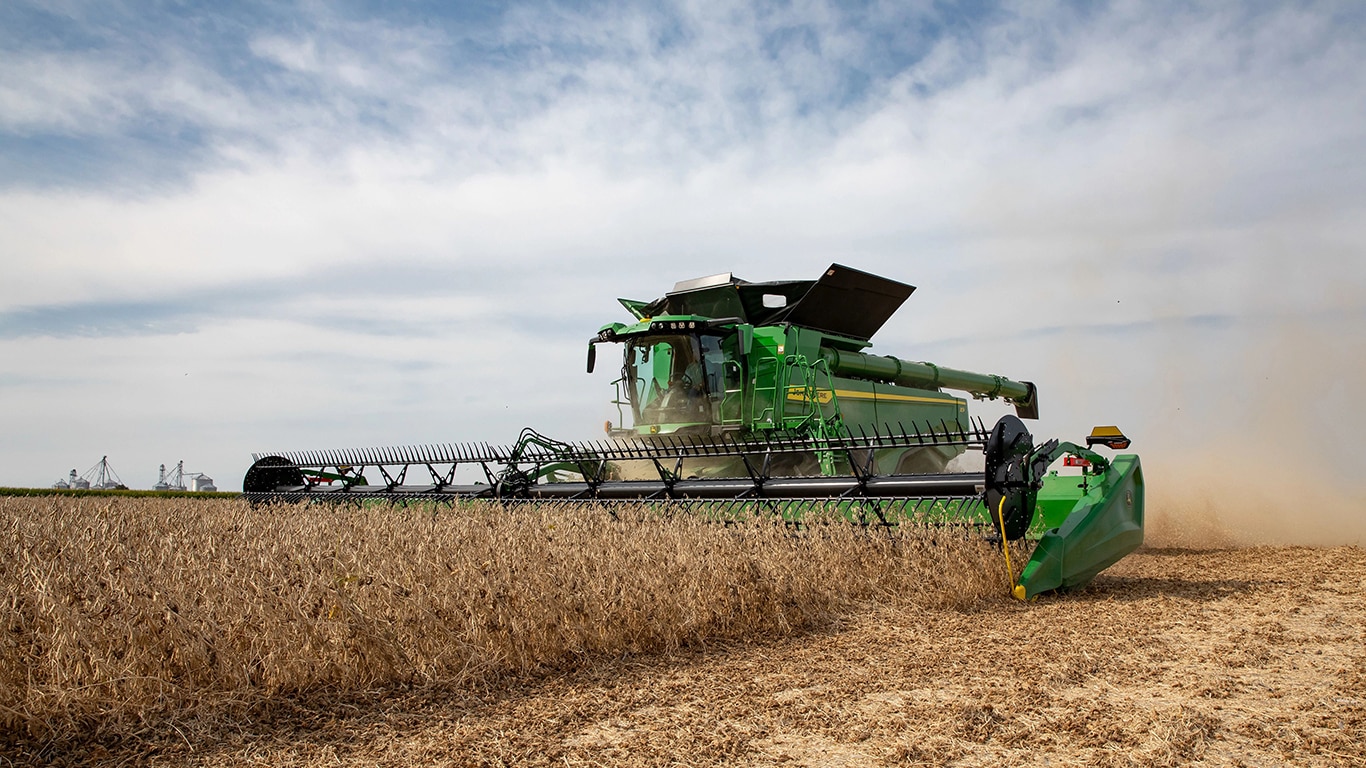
{"type": "Point", "coordinates": [1242, 657]}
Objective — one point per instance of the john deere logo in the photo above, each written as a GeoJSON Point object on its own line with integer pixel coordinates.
{"type": "Point", "coordinates": [823, 396]}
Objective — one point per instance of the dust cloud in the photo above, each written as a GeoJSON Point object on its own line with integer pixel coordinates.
{"type": "Point", "coordinates": [1273, 458]}
{"type": "Point", "coordinates": [1222, 499]}
{"type": "Point", "coordinates": [1241, 383]}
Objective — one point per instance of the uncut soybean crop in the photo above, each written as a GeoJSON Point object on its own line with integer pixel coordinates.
{"type": "Point", "coordinates": [124, 611]}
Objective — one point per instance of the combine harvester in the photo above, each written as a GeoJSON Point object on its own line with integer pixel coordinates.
{"type": "Point", "coordinates": [761, 398]}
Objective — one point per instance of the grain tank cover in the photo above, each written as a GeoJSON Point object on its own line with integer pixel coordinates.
{"type": "Point", "coordinates": [844, 302]}
{"type": "Point", "coordinates": [847, 302]}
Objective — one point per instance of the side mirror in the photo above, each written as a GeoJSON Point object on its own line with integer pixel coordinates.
{"type": "Point", "coordinates": [592, 356]}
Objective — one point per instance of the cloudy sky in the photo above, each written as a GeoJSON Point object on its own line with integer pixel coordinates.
{"type": "Point", "coordinates": [232, 227]}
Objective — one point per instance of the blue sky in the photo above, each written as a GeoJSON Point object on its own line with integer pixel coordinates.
{"type": "Point", "coordinates": [228, 228]}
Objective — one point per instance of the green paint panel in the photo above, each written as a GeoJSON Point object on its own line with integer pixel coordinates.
{"type": "Point", "coordinates": [1086, 530]}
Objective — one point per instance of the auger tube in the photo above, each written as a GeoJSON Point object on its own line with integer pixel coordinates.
{"type": "Point", "coordinates": [906, 373]}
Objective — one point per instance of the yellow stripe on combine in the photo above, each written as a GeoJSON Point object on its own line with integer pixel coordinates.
{"type": "Point", "coordinates": [855, 395]}
{"type": "Point", "coordinates": [823, 397]}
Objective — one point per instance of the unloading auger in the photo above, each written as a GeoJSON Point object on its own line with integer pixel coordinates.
{"type": "Point", "coordinates": [752, 399]}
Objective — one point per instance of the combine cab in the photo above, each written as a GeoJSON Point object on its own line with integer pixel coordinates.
{"type": "Point", "coordinates": [761, 398]}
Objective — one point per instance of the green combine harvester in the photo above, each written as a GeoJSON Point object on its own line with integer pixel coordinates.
{"type": "Point", "coordinates": [737, 399]}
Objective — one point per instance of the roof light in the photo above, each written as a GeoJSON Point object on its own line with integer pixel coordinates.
{"type": "Point", "coordinates": [1110, 437]}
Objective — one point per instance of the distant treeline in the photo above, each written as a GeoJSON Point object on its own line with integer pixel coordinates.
{"type": "Point", "coordinates": [110, 492]}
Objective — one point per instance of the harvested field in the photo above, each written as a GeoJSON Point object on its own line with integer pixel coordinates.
{"type": "Point", "coordinates": [1173, 657]}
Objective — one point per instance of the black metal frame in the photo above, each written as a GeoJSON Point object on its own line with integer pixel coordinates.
{"type": "Point", "coordinates": [863, 496]}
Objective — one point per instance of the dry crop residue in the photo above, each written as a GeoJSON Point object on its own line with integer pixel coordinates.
{"type": "Point", "coordinates": [1173, 657]}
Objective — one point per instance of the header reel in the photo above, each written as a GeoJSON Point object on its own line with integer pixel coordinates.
{"type": "Point", "coordinates": [1081, 527]}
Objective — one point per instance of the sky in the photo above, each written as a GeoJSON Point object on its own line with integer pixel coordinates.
{"type": "Point", "coordinates": [229, 228]}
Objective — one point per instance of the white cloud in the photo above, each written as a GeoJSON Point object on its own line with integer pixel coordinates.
{"type": "Point", "coordinates": [1136, 166]}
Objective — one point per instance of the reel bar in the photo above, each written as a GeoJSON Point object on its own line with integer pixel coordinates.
{"type": "Point", "coordinates": [462, 453]}
{"type": "Point", "coordinates": [533, 448]}
{"type": "Point", "coordinates": [907, 487]}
